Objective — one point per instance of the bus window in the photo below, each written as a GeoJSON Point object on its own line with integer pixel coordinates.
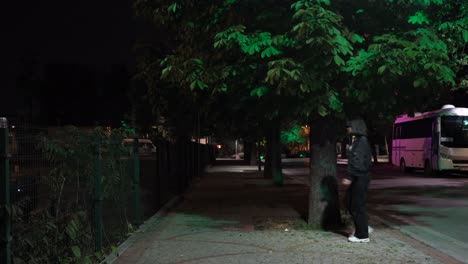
{"type": "Point", "coordinates": [454, 131]}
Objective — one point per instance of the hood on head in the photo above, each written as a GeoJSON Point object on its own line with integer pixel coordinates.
{"type": "Point", "coordinates": [358, 126]}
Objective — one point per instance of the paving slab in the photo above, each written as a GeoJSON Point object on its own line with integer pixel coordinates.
{"type": "Point", "coordinates": [234, 215]}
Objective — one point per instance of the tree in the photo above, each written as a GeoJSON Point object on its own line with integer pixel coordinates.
{"type": "Point", "coordinates": [286, 54]}
{"type": "Point", "coordinates": [412, 58]}
{"type": "Point", "coordinates": [419, 61]}
{"type": "Point", "coordinates": [298, 59]}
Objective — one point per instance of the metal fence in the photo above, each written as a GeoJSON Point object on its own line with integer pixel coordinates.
{"type": "Point", "coordinates": [74, 209]}
{"type": "Point", "coordinates": [27, 169]}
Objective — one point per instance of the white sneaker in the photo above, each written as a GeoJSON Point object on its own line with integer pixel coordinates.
{"type": "Point", "coordinates": [358, 240]}
{"type": "Point", "coordinates": [369, 230]}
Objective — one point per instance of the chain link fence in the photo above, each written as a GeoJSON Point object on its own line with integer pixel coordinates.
{"type": "Point", "coordinates": [78, 193]}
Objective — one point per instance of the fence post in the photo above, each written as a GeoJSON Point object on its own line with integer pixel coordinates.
{"type": "Point", "coordinates": [98, 193]}
{"type": "Point", "coordinates": [5, 222]}
{"type": "Point", "coordinates": [136, 183]}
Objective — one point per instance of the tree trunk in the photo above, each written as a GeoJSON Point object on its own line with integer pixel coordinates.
{"type": "Point", "coordinates": [324, 206]}
{"type": "Point", "coordinates": [389, 145]}
{"type": "Point", "coordinates": [253, 154]}
{"type": "Point", "coordinates": [259, 160]}
{"type": "Point", "coordinates": [276, 167]}
{"type": "Point", "coordinates": [250, 152]}
{"type": "Point", "coordinates": [273, 166]}
{"type": "Point", "coordinates": [267, 171]}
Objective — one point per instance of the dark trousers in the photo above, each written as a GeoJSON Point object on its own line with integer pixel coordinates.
{"type": "Point", "coordinates": [356, 203]}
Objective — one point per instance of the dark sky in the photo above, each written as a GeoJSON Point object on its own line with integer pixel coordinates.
{"type": "Point", "coordinates": [98, 32]}
{"type": "Point", "coordinates": [51, 47]}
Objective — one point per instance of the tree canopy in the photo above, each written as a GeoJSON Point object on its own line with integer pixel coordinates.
{"type": "Point", "coordinates": [306, 53]}
{"type": "Point", "coordinates": [258, 61]}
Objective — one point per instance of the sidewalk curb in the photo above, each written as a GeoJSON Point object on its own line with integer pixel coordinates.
{"type": "Point", "coordinates": [144, 227]}
{"type": "Point", "coordinates": [435, 252]}
{"type": "Point", "coordinates": [141, 229]}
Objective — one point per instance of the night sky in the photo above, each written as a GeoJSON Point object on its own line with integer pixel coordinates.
{"type": "Point", "coordinates": [67, 61]}
{"type": "Point", "coordinates": [70, 62]}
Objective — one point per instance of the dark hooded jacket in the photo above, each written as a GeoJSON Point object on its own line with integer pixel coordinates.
{"type": "Point", "coordinates": [360, 155]}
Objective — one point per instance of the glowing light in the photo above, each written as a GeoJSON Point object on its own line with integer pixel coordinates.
{"type": "Point", "coordinates": [218, 146]}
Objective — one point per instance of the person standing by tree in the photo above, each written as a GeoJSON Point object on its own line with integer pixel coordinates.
{"type": "Point", "coordinates": [359, 163]}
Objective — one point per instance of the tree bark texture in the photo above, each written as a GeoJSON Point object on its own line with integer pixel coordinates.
{"type": "Point", "coordinates": [324, 206]}
{"type": "Point", "coordinates": [267, 171]}
{"type": "Point", "coordinates": [250, 152]}
{"type": "Point", "coordinates": [273, 168]}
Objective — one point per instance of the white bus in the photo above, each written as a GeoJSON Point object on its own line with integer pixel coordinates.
{"type": "Point", "coordinates": [435, 141]}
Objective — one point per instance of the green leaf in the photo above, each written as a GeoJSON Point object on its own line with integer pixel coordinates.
{"type": "Point", "coordinates": [272, 75]}
{"type": "Point", "coordinates": [72, 229]}
{"type": "Point", "coordinates": [114, 249]}
{"type": "Point", "coordinates": [270, 51]}
{"type": "Point", "coordinates": [193, 85]}
{"type": "Point", "coordinates": [99, 255]}
{"type": "Point", "coordinates": [201, 85]}
{"type": "Point", "coordinates": [381, 69]}
{"type": "Point", "coordinates": [76, 251]}
{"type": "Point", "coordinates": [223, 88]}
{"type": "Point", "coordinates": [465, 35]}
{"type": "Point", "coordinates": [251, 49]}
{"type": "Point", "coordinates": [359, 11]}
{"type": "Point", "coordinates": [417, 83]}
{"type": "Point", "coordinates": [165, 71]}
{"type": "Point", "coordinates": [357, 38]}
{"type": "Point", "coordinates": [219, 43]}
{"type": "Point", "coordinates": [322, 111]}
{"type": "Point", "coordinates": [172, 8]}
{"type": "Point", "coordinates": [338, 60]}
{"type": "Point", "coordinates": [334, 102]}
{"type": "Point", "coordinates": [418, 18]}
{"type": "Point", "coordinates": [297, 5]}
{"type": "Point", "coordinates": [259, 91]}
{"type": "Point", "coordinates": [326, 2]}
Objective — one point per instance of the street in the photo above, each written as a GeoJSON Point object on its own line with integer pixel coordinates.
{"type": "Point", "coordinates": [433, 210]}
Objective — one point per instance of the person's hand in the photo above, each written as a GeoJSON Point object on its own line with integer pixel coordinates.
{"type": "Point", "coordinates": [345, 181]}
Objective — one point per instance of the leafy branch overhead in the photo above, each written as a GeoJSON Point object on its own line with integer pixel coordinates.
{"type": "Point", "coordinates": [295, 61]}
{"type": "Point", "coordinates": [318, 53]}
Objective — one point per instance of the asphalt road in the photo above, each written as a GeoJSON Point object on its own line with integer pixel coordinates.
{"type": "Point", "coordinates": [433, 210]}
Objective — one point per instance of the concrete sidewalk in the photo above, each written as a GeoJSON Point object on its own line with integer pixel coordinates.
{"type": "Point", "coordinates": [234, 215]}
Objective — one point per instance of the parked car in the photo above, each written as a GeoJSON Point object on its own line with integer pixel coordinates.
{"type": "Point", "coordinates": [145, 146]}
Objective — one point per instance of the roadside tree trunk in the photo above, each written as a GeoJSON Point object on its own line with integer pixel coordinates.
{"type": "Point", "coordinates": [324, 205]}
{"type": "Point", "coordinates": [250, 152]}
{"type": "Point", "coordinates": [267, 171]}
{"type": "Point", "coordinates": [389, 146]}
{"type": "Point", "coordinates": [273, 168]}
{"type": "Point", "coordinates": [276, 167]}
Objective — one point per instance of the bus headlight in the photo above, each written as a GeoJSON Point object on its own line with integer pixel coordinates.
{"type": "Point", "coordinates": [444, 156]}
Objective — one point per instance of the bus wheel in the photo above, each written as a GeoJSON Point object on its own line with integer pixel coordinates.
{"type": "Point", "coordinates": [428, 168]}
{"type": "Point", "coordinates": [403, 166]}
